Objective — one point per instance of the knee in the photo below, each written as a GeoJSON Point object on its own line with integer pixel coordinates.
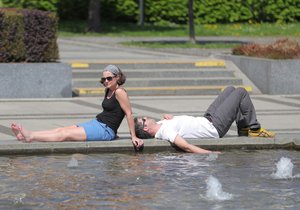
{"type": "Point", "coordinates": [62, 135]}
{"type": "Point", "coordinates": [241, 91]}
{"type": "Point", "coordinates": [229, 89]}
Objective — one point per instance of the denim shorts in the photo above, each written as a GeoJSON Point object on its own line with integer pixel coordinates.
{"type": "Point", "coordinates": [97, 131]}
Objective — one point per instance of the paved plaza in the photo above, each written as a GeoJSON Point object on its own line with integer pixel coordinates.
{"type": "Point", "coordinates": [278, 113]}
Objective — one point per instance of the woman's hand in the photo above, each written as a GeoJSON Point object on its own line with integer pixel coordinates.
{"type": "Point", "coordinates": [137, 143]}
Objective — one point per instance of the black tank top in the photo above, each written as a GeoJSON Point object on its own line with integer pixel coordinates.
{"type": "Point", "coordinates": [112, 114]}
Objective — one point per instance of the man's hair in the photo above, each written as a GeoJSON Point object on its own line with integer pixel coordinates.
{"type": "Point", "coordinates": [139, 130]}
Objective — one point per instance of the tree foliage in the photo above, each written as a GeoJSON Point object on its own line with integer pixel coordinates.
{"type": "Point", "coordinates": [173, 11]}
{"type": "Point", "coordinates": [49, 5]}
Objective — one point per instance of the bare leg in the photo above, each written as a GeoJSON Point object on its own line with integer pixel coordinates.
{"type": "Point", "coordinates": [52, 131]}
{"type": "Point", "coordinates": [71, 133]}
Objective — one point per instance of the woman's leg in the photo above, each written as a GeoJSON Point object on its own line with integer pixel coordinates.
{"type": "Point", "coordinates": [16, 130]}
{"type": "Point", "coordinates": [70, 133]}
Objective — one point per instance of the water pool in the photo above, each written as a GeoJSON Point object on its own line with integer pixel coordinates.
{"type": "Point", "coordinates": [150, 181]}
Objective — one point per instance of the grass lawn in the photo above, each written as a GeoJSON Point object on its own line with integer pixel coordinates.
{"type": "Point", "coordinates": [78, 28]}
{"type": "Point", "coordinates": [180, 45]}
{"type": "Point", "coordinates": [75, 28]}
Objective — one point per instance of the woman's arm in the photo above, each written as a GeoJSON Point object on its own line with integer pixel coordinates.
{"type": "Point", "coordinates": [123, 99]}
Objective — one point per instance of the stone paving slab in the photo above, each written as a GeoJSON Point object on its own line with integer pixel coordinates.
{"type": "Point", "coordinates": [280, 114]}
{"type": "Point", "coordinates": [151, 145]}
{"type": "Point", "coordinates": [9, 147]}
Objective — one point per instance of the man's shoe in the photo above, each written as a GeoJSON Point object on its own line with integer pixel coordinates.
{"type": "Point", "coordinates": [261, 133]}
{"type": "Point", "coordinates": [243, 132]}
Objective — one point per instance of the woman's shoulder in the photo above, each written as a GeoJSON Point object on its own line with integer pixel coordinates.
{"type": "Point", "coordinates": [120, 91]}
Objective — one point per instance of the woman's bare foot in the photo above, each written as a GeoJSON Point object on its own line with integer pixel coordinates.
{"type": "Point", "coordinates": [26, 134]}
{"type": "Point", "coordinates": [16, 130]}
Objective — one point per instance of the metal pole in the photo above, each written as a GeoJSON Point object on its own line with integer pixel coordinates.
{"type": "Point", "coordinates": [191, 22]}
{"type": "Point", "coordinates": [141, 13]}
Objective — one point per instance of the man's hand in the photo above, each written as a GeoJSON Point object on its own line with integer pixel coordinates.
{"type": "Point", "coordinates": [168, 116]}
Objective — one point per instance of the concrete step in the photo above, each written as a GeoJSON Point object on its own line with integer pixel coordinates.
{"type": "Point", "coordinates": [166, 81]}
{"type": "Point", "coordinates": [204, 77]}
{"type": "Point", "coordinates": [159, 91]}
{"type": "Point", "coordinates": [138, 65]}
{"type": "Point", "coordinates": [146, 73]}
{"type": "Point", "coordinates": [153, 64]}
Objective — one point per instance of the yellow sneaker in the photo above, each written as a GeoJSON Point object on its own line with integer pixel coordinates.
{"type": "Point", "coordinates": [261, 133]}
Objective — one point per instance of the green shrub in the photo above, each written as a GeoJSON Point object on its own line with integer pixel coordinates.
{"type": "Point", "coordinates": [40, 36]}
{"type": "Point", "coordinates": [48, 5]}
{"type": "Point", "coordinates": [12, 48]}
{"type": "Point", "coordinates": [27, 36]}
{"type": "Point", "coordinates": [223, 11]}
{"type": "Point", "coordinates": [282, 10]}
{"type": "Point", "coordinates": [125, 10]}
{"type": "Point", "coordinates": [164, 11]}
{"type": "Point", "coordinates": [172, 11]}
{"type": "Point", "coordinates": [73, 9]}
{"type": "Point", "coordinates": [280, 49]}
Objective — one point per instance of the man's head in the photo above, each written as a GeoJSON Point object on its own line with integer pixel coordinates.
{"type": "Point", "coordinates": [142, 125]}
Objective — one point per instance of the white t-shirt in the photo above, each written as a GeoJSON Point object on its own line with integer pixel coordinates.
{"type": "Point", "coordinates": [186, 127]}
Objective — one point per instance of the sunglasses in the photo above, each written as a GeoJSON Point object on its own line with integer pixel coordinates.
{"type": "Point", "coordinates": [103, 79]}
{"type": "Point", "coordinates": [144, 120]}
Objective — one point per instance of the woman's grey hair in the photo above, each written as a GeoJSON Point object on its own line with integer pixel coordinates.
{"type": "Point", "coordinates": [139, 130]}
{"type": "Point", "coordinates": [117, 72]}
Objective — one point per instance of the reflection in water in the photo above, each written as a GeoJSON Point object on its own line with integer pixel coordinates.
{"type": "Point", "coordinates": [146, 181]}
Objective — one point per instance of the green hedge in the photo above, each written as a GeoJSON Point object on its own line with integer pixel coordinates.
{"type": "Point", "coordinates": [28, 36]}
{"type": "Point", "coordinates": [48, 5]}
{"type": "Point", "coordinates": [223, 11]}
{"type": "Point", "coordinates": [205, 11]}
{"type": "Point", "coordinates": [173, 11]}
{"type": "Point", "coordinates": [12, 48]}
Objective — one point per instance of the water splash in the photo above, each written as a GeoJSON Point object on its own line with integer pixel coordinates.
{"type": "Point", "coordinates": [284, 169]}
{"type": "Point", "coordinates": [212, 157]}
{"type": "Point", "coordinates": [215, 191]}
{"type": "Point", "coordinates": [73, 163]}
{"type": "Point", "coordinates": [19, 198]}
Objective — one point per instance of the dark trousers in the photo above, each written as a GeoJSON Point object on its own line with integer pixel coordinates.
{"type": "Point", "coordinates": [233, 104]}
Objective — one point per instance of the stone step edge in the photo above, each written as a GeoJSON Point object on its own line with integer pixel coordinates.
{"type": "Point", "coordinates": [157, 70]}
{"type": "Point", "coordinates": [161, 78]}
{"type": "Point", "coordinates": [86, 91]}
{"type": "Point", "coordinates": [198, 63]}
{"type": "Point", "coordinates": [10, 147]}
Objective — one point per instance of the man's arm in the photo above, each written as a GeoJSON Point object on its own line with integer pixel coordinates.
{"type": "Point", "coordinates": [184, 145]}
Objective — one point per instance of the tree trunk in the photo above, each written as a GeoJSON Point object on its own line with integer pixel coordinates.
{"type": "Point", "coordinates": [191, 22]}
{"type": "Point", "coordinates": [94, 16]}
